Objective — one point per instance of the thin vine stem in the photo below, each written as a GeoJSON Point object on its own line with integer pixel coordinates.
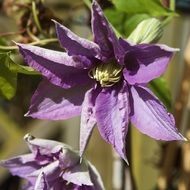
{"type": "Point", "coordinates": [40, 42]}
{"type": "Point", "coordinates": [35, 15]}
{"type": "Point", "coordinates": [172, 5]}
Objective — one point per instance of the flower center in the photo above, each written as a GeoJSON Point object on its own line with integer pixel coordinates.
{"type": "Point", "coordinates": [107, 74]}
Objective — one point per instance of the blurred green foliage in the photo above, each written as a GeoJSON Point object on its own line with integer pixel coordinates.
{"type": "Point", "coordinates": [150, 7]}
{"type": "Point", "coordinates": [8, 74]}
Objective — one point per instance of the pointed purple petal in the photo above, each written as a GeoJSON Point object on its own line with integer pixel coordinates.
{"type": "Point", "coordinates": [54, 103]}
{"type": "Point", "coordinates": [150, 116]}
{"type": "Point", "coordinates": [88, 119]}
{"type": "Point", "coordinates": [146, 62]}
{"type": "Point", "coordinates": [21, 165]}
{"type": "Point", "coordinates": [59, 68]}
{"type": "Point", "coordinates": [104, 35]}
{"type": "Point", "coordinates": [74, 44]}
{"type": "Point", "coordinates": [41, 182]}
{"type": "Point", "coordinates": [112, 110]}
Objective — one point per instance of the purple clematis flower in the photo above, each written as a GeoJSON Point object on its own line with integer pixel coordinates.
{"type": "Point", "coordinates": [52, 165]}
{"type": "Point", "coordinates": [103, 81]}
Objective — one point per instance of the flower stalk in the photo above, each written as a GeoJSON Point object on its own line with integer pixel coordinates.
{"type": "Point", "coordinates": [39, 42]}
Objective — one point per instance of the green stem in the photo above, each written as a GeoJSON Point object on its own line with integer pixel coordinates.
{"type": "Point", "coordinates": [172, 8]}
{"type": "Point", "coordinates": [35, 15]}
{"type": "Point", "coordinates": [41, 42]}
{"type": "Point", "coordinates": [172, 5]}
{"type": "Point", "coordinates": [166, 21]}
{"type": "Point", "coordinates": [88, 3]}
{"type": "Point", "coordinates": [33, 37]}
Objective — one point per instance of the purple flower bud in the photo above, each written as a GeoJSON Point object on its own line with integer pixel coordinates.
{"type": "Point", "coordinates": [52, 165]}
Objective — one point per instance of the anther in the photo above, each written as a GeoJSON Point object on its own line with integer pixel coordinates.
{"type": "Point", "coordinates": [107, 74]}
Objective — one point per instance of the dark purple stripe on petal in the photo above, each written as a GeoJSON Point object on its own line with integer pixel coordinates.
{"type": "Point", "coordinates": [112, 111]}
{"type": "Point", "coordinates": [59, 68]}
{"type": "Point", "coordinates": [104, 35]}
{"type": "Point", "coordinates": [74, 44]}
{"type": "Point", "coordinates": [54, 103]}
{"type": "Point", "coordinates": [151, 117]}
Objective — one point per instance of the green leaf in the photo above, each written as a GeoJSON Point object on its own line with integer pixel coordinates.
{"type": "Point", "coordinates": [8, 75]}
{"type": "Point", "coordinates": [148, 31]}
{"type": "Point", "coordinates": [116, 18]}
{"type": "Point", "coordinates": [161, 90]}
{"type": "Point", "coordinates": [8, 79]}
{"type": "Point", "coordinates": [17, 68]}
{"type": "Point", "coordinates": [123, 22]}
{"type": "Point", "coordinates": [151, 7]}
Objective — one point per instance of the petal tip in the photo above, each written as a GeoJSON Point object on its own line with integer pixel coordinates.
{"type": "Point", "coordinates": [185, 139]}
{"type": "Point", "coordinates": [54, 21]}
{"type": "Point", "coordinates": [81, 159]}
{"type": "Point", "coordinates": [27, 114]}
{"type": "Point", "coordinates": [127, 162]}
{"type": "Point", "coordinates": [28, 137]}
{"type": "Point", "coordinates": [80, 154]}
{"type": "Point", "coordinates": [182, 138]}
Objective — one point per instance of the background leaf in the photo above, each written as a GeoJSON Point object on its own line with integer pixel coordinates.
{"type": "Point", "coordinates": [123, 22]}
{"type": "Point", "coordinates": [8, 75]}
{"type": "Point", "coordinates": [151, 7]}
{"type": "Point", "coordinates": [8, 79]}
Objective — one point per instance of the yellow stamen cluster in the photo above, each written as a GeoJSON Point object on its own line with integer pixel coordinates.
{"type": "Point", "coordinates": [107, 74]}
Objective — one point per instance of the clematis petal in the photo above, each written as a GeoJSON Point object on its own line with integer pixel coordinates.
{"type": "Point", "coordinates": [41, 182]}
{"type": "Point", "coordinates": [112, 110]}
{"type": "Point", "coordinates": [88, 119]}
{"type": "Point", "coordinates": [104, 35]}
{"type": "Point", "coordinates": [45, 146]}
{"type": "Point", "coordinates": [150, 116]}
{"type": "Point", "coordinates": [66, 156]}
{"type": "Point", "coordinates": [21, 165]}
{"type": "Point", "coordinates": [146, 62]}
{"type": "Point", "coordinates": [51, 171]}
{"type": "Point", "coordinates": [54, 103]}
{"type": "Point", "coordinates": [78, 174]}
{"type": "Point", "coordinates": [61, 185]}
{"type": "Point", "coordinates": [96, 178]}
{"type": "Point", "coordinates": [127, 46]}
{"type": "Point", "coordinates": [59, 68]}
{"type": "Point", "coordinates": [74, 44]}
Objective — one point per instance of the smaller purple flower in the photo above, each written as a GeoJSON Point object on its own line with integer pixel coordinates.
{"type": "Point", "coordinates": [52, 165]}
